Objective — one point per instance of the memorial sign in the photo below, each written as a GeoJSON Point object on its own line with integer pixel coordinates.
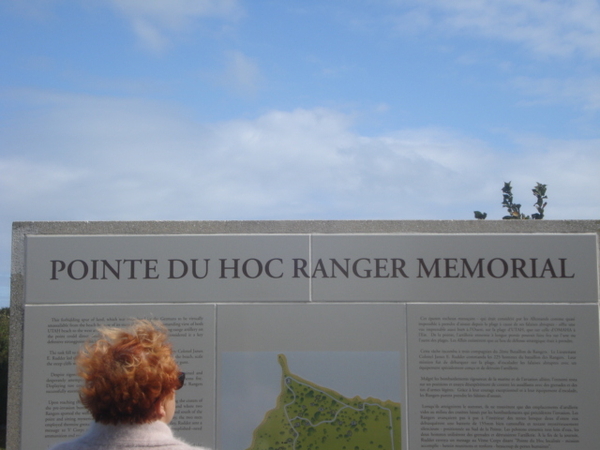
{"type": "Point", "coordinates": [323, 335]}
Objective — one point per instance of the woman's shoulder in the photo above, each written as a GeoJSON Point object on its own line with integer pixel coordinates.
{"type": "Point", "coordinates": [179, 445]}
{"type": "Point", "coordinates": [189, 447]}
{"type": "Point", "coordinates": [175, 444]}
{"type": "Point", "coordinates": [127, 437]}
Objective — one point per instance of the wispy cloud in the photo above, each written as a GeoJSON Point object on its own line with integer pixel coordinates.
{"type": "Point", "coordinates": [149, 35]}
{"type": "Point", "coordinates": [153, 21]}
{"type": "Point", "coordinates": [580, 92]}
{"type": "Point", "coordinates": [241, 74]}
{"type": "Point", "coordinates": [546, 28]}
{"type": "Point", "coordinates": [176, 13]}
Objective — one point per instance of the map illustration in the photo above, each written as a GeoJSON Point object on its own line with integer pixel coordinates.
{"type": "Point", "coordinates": [312, 417]}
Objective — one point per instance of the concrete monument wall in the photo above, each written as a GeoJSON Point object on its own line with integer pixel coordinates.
{"type": "Point", "coordinates": [312, 335]}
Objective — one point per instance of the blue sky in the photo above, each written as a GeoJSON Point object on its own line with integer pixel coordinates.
{"type": "Point", "coordinates": [295, 109]}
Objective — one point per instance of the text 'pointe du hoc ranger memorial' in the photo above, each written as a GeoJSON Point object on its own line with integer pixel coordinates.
{"type": "Point", "coordinates": [321, 335]}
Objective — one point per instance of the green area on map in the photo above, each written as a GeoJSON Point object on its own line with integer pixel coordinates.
{"type": "Point", "coordinates": [311, 417]}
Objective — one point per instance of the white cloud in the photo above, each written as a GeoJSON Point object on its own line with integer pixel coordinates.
{"type": "Point", "coordinates": [45, 181]}
{"type": "Point", "coordinates": [546, 27]}
{"type": "Point", "coordinates": [570, 169]}
{"type": "Point", "coordinates": [108, 158]}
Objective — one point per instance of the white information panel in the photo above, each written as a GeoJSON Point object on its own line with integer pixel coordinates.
{"type": "Point", "coordinates": [52, 338]}
{"type": "Point", "coordinates": [503, 376]}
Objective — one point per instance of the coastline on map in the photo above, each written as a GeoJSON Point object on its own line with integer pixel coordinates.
{"type": "Point", "coordinates": [311, 417]}
{"type": "Point", "coordinates": [251, 383]}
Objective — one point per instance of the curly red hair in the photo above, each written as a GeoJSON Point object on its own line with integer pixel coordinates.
{"type": "Point", "coordinates": [127, 373]}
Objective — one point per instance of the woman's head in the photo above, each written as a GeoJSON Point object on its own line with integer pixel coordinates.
{"type": "Point", "coordinates": [128, 373]}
